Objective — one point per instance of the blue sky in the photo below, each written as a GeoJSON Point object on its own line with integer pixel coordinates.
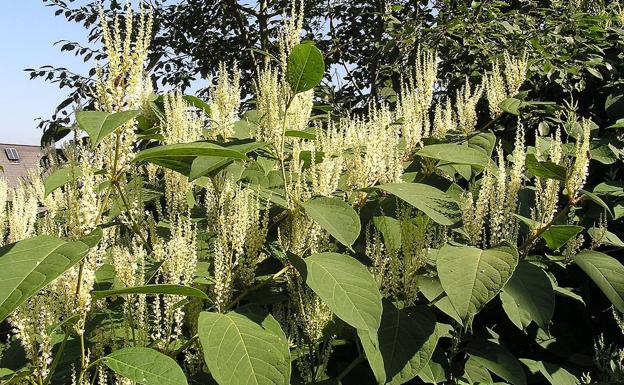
{"type": "Point", "coordinates": [28, 30]}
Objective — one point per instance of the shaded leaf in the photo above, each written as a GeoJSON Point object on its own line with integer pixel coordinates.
{"type": "Point", "coordinates": [407, 339]}
{"type": "Point", "coordinates": [529, 296]}
{"type": "Point", "coordinates": [305, 67]}
{"type": "Point", "coordinates": [455, 153]}
{"type": "Point", "coordinates": [346, 286]}
{"type": "Point", "coordinates": [436, 204]}
{"type": "Point", "coordinates": [558, 235]}
{"type": "Point", "coordinates": [606, 271]}
{"type": "Point", "coordinates": [59, 178]}
{"type": "Point", "coordinates": [179, 157]}
{"type": "Point", "coordinates": [498, 360]}
{"type": "Point", "coordinates": [545, 169]}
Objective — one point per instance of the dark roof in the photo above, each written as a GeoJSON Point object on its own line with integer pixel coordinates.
{"type": "Point", "coordinates": [29, 157]}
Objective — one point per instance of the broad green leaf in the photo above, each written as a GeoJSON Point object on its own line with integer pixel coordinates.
{"type": "Point", "coordinates": [455, 153]}
{"type": "Point", "coordinates": [558, 235]}
{"type": "Point", "coordinates": [436, 204]}
{"type": "Point", "coordinates": [545, 169]}
{"type": "Point", "coordinates": [511, 105]}
{"type": "Point", "coordinates": [346, 286]}
{"type": "Point", "coordinates": [334, 215]}
{"type": "Point", "coordinates": [240, 350]}
{"type": "Point", "coordinates": [179, 157]}
{"type": "Point", "coordinates": [437, 369]}
{"type": "Point", "coordinates": [305, 67]}
{"type": "Point", "coordinates": [145, 366]}
{"type": "Point", "coordinates": [99, 124]}
{"type": "Point", "coordinates": [610, 188]}
{"type": "Point", "coordinates": [529, 296]}
{"type": "Point", "coordinates": [498, 360]}
{"type": "Point", "coordinates": [607, 272]}
{"type": "Point", "coordinates": [207, 165]}
{"type": "Point", "coordinates": [471, 277]}
{"type": "Point", "coordinates": [28, 266]}
{"type": "Point", "coordinates": [407, 339]}
{"type": "Point", "coordinates": [152, 289]}
{"type": "Point", "coordinates": [555, 374]}
{"type": "Point", "coordinates": [59, 178]}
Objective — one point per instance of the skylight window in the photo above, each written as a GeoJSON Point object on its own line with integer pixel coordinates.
{"type": "Point", "coordinates": [12, 154]}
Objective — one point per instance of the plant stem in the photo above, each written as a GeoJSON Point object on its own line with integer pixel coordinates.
{"type": "Point", "coordinates": [186, 345]}
{"type": "Point", "coordinates": [350, 367]}
{"type": "Point", "coordinates": [57, 358]}
{"type": "Point", "coordinates": [524, 249]}
{"type": "Point", "coordinates": [257, 286]}
{"type": "Point", "coordinates": [135, 226]}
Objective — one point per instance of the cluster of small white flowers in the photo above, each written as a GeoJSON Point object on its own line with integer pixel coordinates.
{"type": "Point", "coordinates": [415, 100]}
{"type": "Point", "coordinates": [396, 270]}
{"type": "Point", "coordinates": [500, 86]}
{"type": "Point", "coordinates": [4, 209]}
{"type": "Point", "coordinates": [289, 34]}
{"type": "Point", "coordinates": [180, 125]}
{"type": "Point", "coordinates": [474, 213]}
{"type": "Point", "coordinates": [443, 119]}
{"type": "Point", "coordinates": [179, 264]}
{"type": "Point", "coordinates": [305, 318]}
{"type": "Point", "coordinates": [22, 213]}
{"type": "Point", "coordinates": [497, 199]}
{"type": "Point", "coordinates": [278, 108]}
{"type": "Point", "coordinates": [241, 230]}
{"type": "Point", "coordinates": [547, 190]}
{"type": "Point", "coordinates": [578, 172]}
{"type": "Point", "coordinates": [466, 106]}
{"type": "Point", "coordinates": [225, 102]}
{"type": "Point", "coordinates": [124, 85]}
{"type": "Point", "coordinates": [370, 140]}
{"type": "Point", "coordinates": [30, 325]}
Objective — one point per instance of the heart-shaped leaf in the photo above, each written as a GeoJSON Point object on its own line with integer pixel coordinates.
{"type": "Point", "coordinates": [100, 124]}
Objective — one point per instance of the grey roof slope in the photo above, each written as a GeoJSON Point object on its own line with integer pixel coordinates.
{"type": "Point", "coordinates": [14, 170]}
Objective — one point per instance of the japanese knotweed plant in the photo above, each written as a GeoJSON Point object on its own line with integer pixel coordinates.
{"type": "Point", "coordinates": [176, 241]}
